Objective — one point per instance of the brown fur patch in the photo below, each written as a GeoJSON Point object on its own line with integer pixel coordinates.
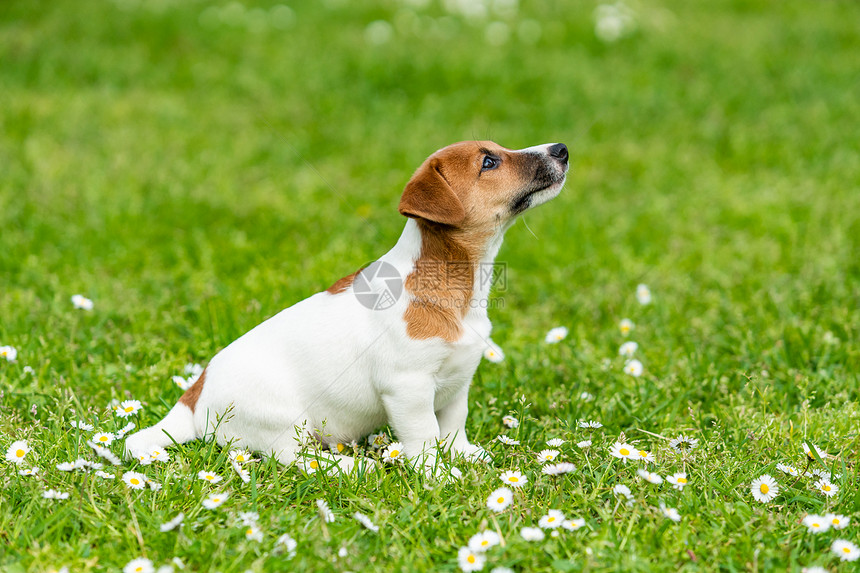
{"type": "Point", "coordinates": [343, 283]}
{"type": "Point", "coordinates": [190, 397]}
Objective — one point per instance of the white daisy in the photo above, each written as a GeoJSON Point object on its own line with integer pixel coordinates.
{"type": "Point", "coordinates": [17, 451]}
{"type": "Point", "coordinates": [510, 421]}
{"type": "Point", "coordinates": [551, 520]}
{"type": "Point", "coordinates": [81, 302]}
{"type": "Point", "coordinates": [153, 485]}
{"type": "Point", "coordinates": [10, 353]}
{"type": "Point", "coordinates": [393, 453]}
{"type": "Point", "coordinates": [633, 367]}
{"type": "Point", "coordinates": [209, 476]}
{"type": "Point", "coordinates": [337, 447]}
{"type": "Point", "coordinates": [623, 451]}
{"type": "Point", "coordinates": [105, 475]}
{"type": "Point", "coordinates": [590, 424]}
{"type": "Point", "coordinates": [586, 397]}
{"type": "Point", "coordinates": [289, 544]}
{"type": "Point", "coordinates": [253, 533]}
{"type": "Point", "coordinates": [626, 326]}
{"type": "Point", "coordinates": [645, 456]}
{"type": "Point", "coordinates": [789, 470]}
{"type": "Point", "coordinates": [835, 520]}
{"type": "Point", "coordinates": [243, 474]}
{"type": "Point", "coordinates": [240, 456]}
{"type": "Point", "coordinates": [670, 512]}
{"type": "Point", "coordinates": [558, 469]}
{"type": "Point", "coordinates": [764, 488]}
{"type": "Point", "coordinates": [481, 542]}
{"type": "Point", "coordinates": [622, 490]}
{"type": "Point", "coordinates": [139, 565]}
{"type": "Point", "coordinates": [470, 560]}
{"type": "Point", "coordinates": [193, 369]}
{"type": "Point", "coordinates": [679, 480]}
{"type": "Point", "coordinates": [583, 444]}
{"type": "Point", "coordinates": [124, 430]}
{"type": "Point", "coordinates": [81, 425]}
{"type": "Point", "coordinates": [814, 569]}
{"type": "Point", "coordinates": [555, 442]}
{"type": "Point", "coordinates": [508, 441]}
{"type": "Point", "coordinates": [532, 533]}
{"type": "Point", "coordinates": [556, 334]}
{"type": "Point", "coordinates": [173, 523]}
{"type": "Point", "coordinates": [500, 499]}
{"type": "Point", "coordinates": [54, 494]}
{"type": "Point", "coordinates": [29, 370]}
{"type": "Point", "coordinates": [828, 489]}
{"type": "Point", "coordinates": [493, 352]}
{"type": "Point", "coordinates": [547, 456]}
{"type": "Point", "coordinates": [816, 523]}
{"type": "Point", "coordinates": [846, 550]}
{"type": "Point", "coordinates": [67, 466]}
{"type": "Point", "coordinates": [103, 438]}
{"type": "Point", "coordinates": [683, 443]}
{"type": "Point", "coordinates": [650, 476]}
{"type": "Point", "coordinates": [29, 472]}
{"type": "Point", "coordinates": [213, 500]}
{"type": "Point", "coordinates": [183, 383]}
{"type": "Point", "coordinates": [643, 294]}
{"type": "Point", "coordinates": [573, 524]}
{"type": "Point", "coordinates": [821, 453]}
{"type": "Point", "coordinates": [325, 512]}
{"type": "Point", "coordinates": [134, 480]}
{"type": "Point", "coordinates": [105, 454]}
{"type": "Point", "coordinates": [628, 349]}
{"type": "Point", "coordinates": [159, 455]}
{"type": "Point", "coordinates": [365, 521]}
{"type": "Point", "coordinates": [128, 407]}
{"type": "Point", "coordinates": [514, 478]}
{"type": "Point", "coordinates": [249, 517]}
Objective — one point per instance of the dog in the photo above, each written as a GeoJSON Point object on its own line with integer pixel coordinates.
{"type": "Point", "coordinates": [397, 342]}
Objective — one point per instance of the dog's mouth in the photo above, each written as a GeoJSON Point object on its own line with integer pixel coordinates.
{"type": "Point", "coordinates": [545, 181]}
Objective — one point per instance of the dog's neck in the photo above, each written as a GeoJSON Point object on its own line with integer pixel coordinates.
{"type": "Point", "coordinates": [449, 276]}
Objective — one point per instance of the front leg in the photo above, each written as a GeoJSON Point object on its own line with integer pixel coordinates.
{"type": "Point", "coordinates": [408, 403]}
{"type": "Point", "coordinates": [452, 426]}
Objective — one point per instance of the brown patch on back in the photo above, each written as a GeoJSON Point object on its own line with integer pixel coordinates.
{"type": "Point", "coordinates": [190, 397]}
{"type": "Point", "coordinates": [343, 283]}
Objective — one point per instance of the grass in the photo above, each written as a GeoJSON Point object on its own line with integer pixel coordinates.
{"type": "Point", "coordinates": [194, 168]}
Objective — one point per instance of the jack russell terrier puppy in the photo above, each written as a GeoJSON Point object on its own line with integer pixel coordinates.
{"type": "Point", "coordinates": [345, 361]}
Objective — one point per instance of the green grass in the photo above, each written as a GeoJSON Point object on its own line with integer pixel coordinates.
{"type": "Point", "coordinates": [194, 175]}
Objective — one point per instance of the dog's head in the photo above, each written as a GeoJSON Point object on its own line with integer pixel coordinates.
{"type": "Point", "coordinates": [480, 184]}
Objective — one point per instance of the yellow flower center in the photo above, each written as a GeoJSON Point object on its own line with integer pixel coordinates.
{"type": "Point", "coordinates": [470, 558]}
{"type": "Point", "coordinates": [216, 499]}
{"type": "Point", "coordinates": [513, 479]}
{"type": "Point", "coordinates": [314, 464]}
{"type": "Point", "coordinates": [763, 488]}
{"type": "Point", "coordinates": [134, 481]}
{"type": "Point", "coordinates": [835, 521]}
{"type": "Point", "coordinates": [826, 487]}
{"type": "Point", "coordinates": [816, 525]}
{"type": "Point", "coordinates": [240, 458]}
{"type": "Point", "coordinates": [846, 550]}
{"type": "Point", "coordinates": [340, 447]}
{"type": "Point", "coordinates": [19, 453]}
{"type": "Point", "coordinates": [551, 519]}
{"type": "Point", "coordinates": [484, 542]}
{"type": "Point", "coordinates": [249, 532]}
{"type": "Point", "coordinates": [624, 452]}
{"type": "Point", "coordinates": [210, 478]}
{"type": "Point", "coordinates": [643, 453]}
{"type": "Point", "coordinates": [129, 408]}
{"type": "Point", "coordinates": [500, 500]}
{"type": "Point", "coordinates": [682, 480]}
{"type": "Point", "coordinates": [103, 438]}
{"type": "Point", "coordinates": [394, 453]}
{"type": "Point", "coordinates": [138, 569]}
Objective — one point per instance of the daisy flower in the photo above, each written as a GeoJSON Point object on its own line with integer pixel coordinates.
{"type": "Point", "coordinates": [481, 542]}
{"type": "Point", "coordinates": [821, 453]}
{"type": "Point", "coordinates": [573, 524]}
{"type": "Point", "coordinates": [583, 444]}
{"type": "Point", "coordinates": [16, 452]}
{"type": "Point", "coordinates": [213, 500]}
{"type": "Point", "coordinates": [337, 448]}
{"type": "Point", "coordinates": [789, 470]}
{"type": "Point", "coordinates": [532, 534]}
{"type": "Point", "coordinates": [556, 334]}
{"type": "Point", "coordinates": [134, 480]}
{"type": "Point", "coordinates": [103, 438]}
{"type": "Point", "coordinates": [682, 443]}
{"type": "Point", "coordinates": [376, 441]}
{"type": "Point", "coordinates": [159, 455]}
{"type": "Point", "coordinates": [500, 499]}
{"type": "Point", "coordinates": [173, 523]}
{"type": "Point", "coordinates": [679, 480]}
{"type": "Point", "coordinates": [650, 476]}
{"type": "Point", "coordinates": [553, 518]}
{"type": "Point", "coordinates": [514, 478]}
{"type": "Point", "coordinates": [365, 521]}
{"type": "Point", "coordinates": [828, 489]}
{"type": "Point", "coordinates": [139, 565]}
{"type": "Point", "coordinates": [644, 456]}
{"type": "Point", "coordinates": [623, 451]}
{"type": "Point", "coordinates": [633, 367]}
{"type": "Point", "coordinates": [183, 383]}
{"type": "Point", "coordinates": [470, 560]}
{"type": "Point", "coordinates": [105, 475]}
{"type": "Point", "coordinates": [628, 349]}
{"type": "Point", "coordinates": [626, 326]}
{"type": "Point", "coordinates": [555, 442]}
{"type": "Point", "coordinates": [846, 550]}
{"type": "Point", "coordinates": [590, 424]}
{"type": "Point", "coordinates": [816, 523]}
{"type": "Point", "coordinates": [209, 476]}
{"type": "Point", "coordinates": [558, 469]}
{"type": "Point", "coordinates": [493, 352]}
{"type": "Point", "coordinates": [288, 543]}
{"type": "Point", "coordinates": [670, 512]}
{"type": "Point", "coordinates": [586, 397]}
{"type": "Point", "coordinates": [128, 408]}
{"type": "Point", "coordinates": [241, 472]}
{"type": "Point", "coordinates": [393, 453]}
{"type": "Point", "coordinates": [124, 430]}
{"type": "Point", "coordinates": [144, 459]}
{"type": "Point", "coordinates": [81, 425]}
{"type": "Point", "coordinates": [249, 517]}
{"type": "Point", "coordinates": [68, 466]}
{"type": "Point", "coordinates": [643, 294]}
{"type": "Point", "coordinates": [764, 488]}
{"type": "Point", "coordinates": [9, 353]}
{"type": "Point", "coordinates": [81, 302]}
{"type": "Point", "coordinates": [240, 456]}
{"type": "Point", "coordinates": [510, 421]}
{"type": "Point", "coordinates": [29, 472]}
{"type": "Point", "coordinates": [622, 489]}
{"type": "Point", "coordinates": [253, 533]}
{"type": "Point", "coordinates": [547, 455]}
{"type": "Point", "coordinates": [153, 485]}
{"type": "Point", "coordinates": [54, 494]}
{"type": "Point", "coordinates": [193, 369]}
{"type": "Point", "coordinates": [325, 512]}
{"type": "Point", "coordinates": [836, 521]}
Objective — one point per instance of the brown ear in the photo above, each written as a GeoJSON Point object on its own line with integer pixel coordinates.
{"type": "Point", "coordinates": [428, 196]}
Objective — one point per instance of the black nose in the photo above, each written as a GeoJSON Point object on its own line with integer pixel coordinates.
{"type": "Point", "coordinates": [559, 151]}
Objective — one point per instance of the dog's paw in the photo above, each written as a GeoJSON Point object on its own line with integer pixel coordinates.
{"type": "Point", "coordinates": [474, 453]}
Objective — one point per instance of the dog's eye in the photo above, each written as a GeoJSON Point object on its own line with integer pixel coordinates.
{"type": "Point", "coordinates": [490, 162]}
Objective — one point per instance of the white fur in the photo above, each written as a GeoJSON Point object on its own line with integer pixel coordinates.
{"type": "Point", "coordinates": [330, 367]}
